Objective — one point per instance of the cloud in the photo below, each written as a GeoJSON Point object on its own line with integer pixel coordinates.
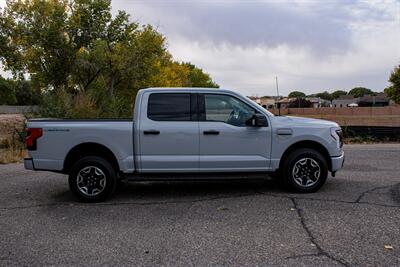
{"type": "Point", "coordinates": [252, 23]}
{"type": "Point", "coordinates": [310, 45]}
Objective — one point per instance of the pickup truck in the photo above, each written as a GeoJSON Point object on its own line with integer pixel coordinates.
{"type": "Point", "coordinates": [186, 133]}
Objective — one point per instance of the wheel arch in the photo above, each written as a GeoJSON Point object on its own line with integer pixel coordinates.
{"type": "Point", "coordinates": [307, 144]}
{"type": "Point", "coordinates": [89, 149]}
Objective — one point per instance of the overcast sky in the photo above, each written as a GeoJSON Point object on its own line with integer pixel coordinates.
{"type": "Point", "coordinates": [310, 45]}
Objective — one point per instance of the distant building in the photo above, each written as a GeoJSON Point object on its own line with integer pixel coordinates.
{"type": "Point", "coordinates": [344, 101]}
{"type": "Point", "coordinates": [265, 102]}
{"type": "Point", "coordinates": [285, 102]}
{"type": "Point", "coordinates": [380, 100]}
{"type": "Point", "coordinates": [316, 102]}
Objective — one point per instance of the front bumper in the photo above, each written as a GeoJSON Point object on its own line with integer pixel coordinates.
{"type": "Point", "coordinates": [337, 162]}
{"type": "Point", "coordinates": [28, 164]}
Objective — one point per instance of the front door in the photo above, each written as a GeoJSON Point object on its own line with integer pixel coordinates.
{"type": "Point", "coordinates": [169, 133]}
{"type": "Point", "coordinates": [226, 143]}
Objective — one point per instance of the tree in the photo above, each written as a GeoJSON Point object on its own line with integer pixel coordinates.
{"type": "Point", "coordinates": [197, 78]}
{"type": "Point", "coordinates": [336, 94]}
{"type": "Point", "coordinates": [26, 94]}
{"type": "Point", "coordinates": [324, 95]}
{"type": "Point", "coordinates": [76, 51]}
{"type": "Point", "coordinates": [7, 92]}
{"type": "Point", "coordinates": [393, 91]}
{"type": "Point", "coordinates": [300, 103]}
{"type": "Point", "coordinates": [296, 94]}
{"type": "Point", "coordinates": [360, 91]}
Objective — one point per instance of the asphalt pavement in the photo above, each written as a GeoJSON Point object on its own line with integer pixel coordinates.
{"type": "Point", "coordinates": [354, 220]}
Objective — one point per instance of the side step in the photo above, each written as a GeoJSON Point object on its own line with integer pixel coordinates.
{"type": "Point", "coordinates": [195, 176]}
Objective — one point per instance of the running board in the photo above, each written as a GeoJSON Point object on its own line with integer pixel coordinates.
{"type": "Point", "coordinates": [195, 176]}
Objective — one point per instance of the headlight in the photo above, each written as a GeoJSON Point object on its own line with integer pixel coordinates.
{"type": "Point", "coordinates": [337, 134]}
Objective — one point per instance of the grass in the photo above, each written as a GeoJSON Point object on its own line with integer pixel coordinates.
{"type": "Point", "coordinates": [9, 155]}
{"type": "Point", "coordinates": [367, 139]}
{"type": "Point", "coordinates": [12, 148]}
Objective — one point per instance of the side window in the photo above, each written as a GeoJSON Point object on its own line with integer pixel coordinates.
{"type": "Point", "coordinates": [169, 107]}
{"type": "Point", "coordinates": [227, 109]}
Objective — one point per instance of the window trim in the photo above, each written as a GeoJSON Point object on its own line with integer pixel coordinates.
{"type": "Point", "coordinates": [193, 114]}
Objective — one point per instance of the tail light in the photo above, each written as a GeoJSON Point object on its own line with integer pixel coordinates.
{"type": "Point", "coordinates": [32, 134]}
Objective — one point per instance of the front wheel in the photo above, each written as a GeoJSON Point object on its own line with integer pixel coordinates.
{"type": "Point", "coordinates": [92, 179]}
{"type": "Point", "coordinates": [304, 170]}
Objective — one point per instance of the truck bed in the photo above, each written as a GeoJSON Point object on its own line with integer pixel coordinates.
{"type": "Point", "coordinates": [60, 136]}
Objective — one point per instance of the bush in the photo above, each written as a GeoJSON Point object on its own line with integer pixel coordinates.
{"type": "Point", "coordinates": [25, 94]}
{"type": "Point", "coordinates": [7, 92]}
{"type": "Point", "coordinates": [84, 105]}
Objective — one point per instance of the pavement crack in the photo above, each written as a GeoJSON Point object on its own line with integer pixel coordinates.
{"type": "Point", "coordinates": [330, 200]}
{"type": "Point", "coordinates": [361, 196]}
{"type": "Point", "coordinates": [320, 250]}
{"type": "Point", "coordinates": [304, 255]}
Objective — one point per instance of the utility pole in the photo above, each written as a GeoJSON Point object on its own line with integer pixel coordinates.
{"type": "Point", "coordinates": [277, 92]}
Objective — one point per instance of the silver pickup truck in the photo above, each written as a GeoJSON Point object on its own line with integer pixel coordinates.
{"type": "Point", "coordinates": [186, 133]}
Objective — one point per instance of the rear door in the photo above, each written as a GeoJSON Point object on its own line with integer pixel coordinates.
{"type": "Point", "coordinates": [169, 133]}
{"type": "Point", "coordinates": [226, 143]}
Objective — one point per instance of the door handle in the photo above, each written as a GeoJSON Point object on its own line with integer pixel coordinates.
{"type": "Point", "coordinates": [154, 132]}
{"type": "Point", "coordinates": [211, 132]}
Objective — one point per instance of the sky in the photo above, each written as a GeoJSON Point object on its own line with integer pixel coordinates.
{"type": "Point", "coordinates": [311, 46]}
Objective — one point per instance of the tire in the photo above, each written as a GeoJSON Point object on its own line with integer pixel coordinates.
{"type": "Point", "coordinates": [92, 179]}
{"type": "Point", "coordinates": [304, 171]}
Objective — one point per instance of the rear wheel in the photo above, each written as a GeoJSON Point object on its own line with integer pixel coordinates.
{"type": "Point", "coordinates": [92, 179]}
{"type": "Point", "coordinates": [304, 170]}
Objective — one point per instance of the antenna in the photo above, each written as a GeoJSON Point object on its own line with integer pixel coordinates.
{"type": "Point", "coordinates": [277, 92]}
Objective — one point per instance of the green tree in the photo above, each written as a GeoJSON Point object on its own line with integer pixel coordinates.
{"type": "Point", "coordinates": [296, 94]}
{"type": "Point", "coordinates": [360, 91]}
{"type": "Point", "coordinates": [324, 95]}
{"type": "Point", "coordinates": [336, 94]}
{"type": "Point", "coordinates": [38, 42]}
{"type": "Point", "coordinates": [26, 94]}
{"type": "Point", "coordinates": [393, 91]}
{"type": "Point", "coordinates": [7, 92]}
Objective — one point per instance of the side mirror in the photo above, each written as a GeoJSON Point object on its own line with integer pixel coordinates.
{"type": "Point", "coordinates": [257, 120]}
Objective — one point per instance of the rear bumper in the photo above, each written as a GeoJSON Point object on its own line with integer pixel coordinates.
{"type": "Point", "coordinates": [28, 164]}
{"type": "Point", "coordinates": [337, 162]}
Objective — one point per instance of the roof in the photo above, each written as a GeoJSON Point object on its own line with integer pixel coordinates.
{"type": "Point", "coordinates": [342, 97]}
{"type": "Point", "coordinates": [381, 97]}
{"type": "Point", "coordinates": [189, 89]}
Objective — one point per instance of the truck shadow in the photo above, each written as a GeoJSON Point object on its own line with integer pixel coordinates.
{"type": "Point", "coordinates": [191, 189]}
{"type": "Point", "coordinates": [181, 191]}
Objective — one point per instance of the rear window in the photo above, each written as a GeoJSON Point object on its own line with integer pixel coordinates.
{"type": "Point", "coordinates": [169, 107]}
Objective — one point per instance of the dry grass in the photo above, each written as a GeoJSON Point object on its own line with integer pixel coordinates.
{"type": "Point", "coordinates": [12, 147]}
{"type": "Point", "coordinates": [11, 156]}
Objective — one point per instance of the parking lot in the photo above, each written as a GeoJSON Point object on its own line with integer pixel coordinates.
{"type": "Point", "coordinates": [354, 220]}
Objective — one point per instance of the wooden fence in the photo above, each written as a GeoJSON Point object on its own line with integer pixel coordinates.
{"type": "Point", "coordinates": [350, 116]}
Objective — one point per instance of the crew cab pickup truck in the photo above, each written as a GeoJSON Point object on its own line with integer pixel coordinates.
{"type": "Point", "coordinates": [186, 133]}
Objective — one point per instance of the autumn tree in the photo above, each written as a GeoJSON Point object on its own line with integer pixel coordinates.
{"type": "Point", "coordinates": [77, 52]}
